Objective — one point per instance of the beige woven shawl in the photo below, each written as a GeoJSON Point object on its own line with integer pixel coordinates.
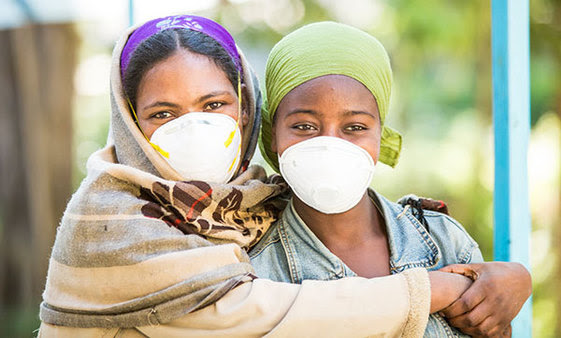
{"type": "Point", "coordinates": [138, 247]}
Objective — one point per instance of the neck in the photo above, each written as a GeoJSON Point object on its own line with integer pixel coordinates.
{"type": "Point", "coordinates": [361, 223]}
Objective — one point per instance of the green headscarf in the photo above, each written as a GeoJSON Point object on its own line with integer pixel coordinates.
{"type": "Point", "coordinates": [328, 48]}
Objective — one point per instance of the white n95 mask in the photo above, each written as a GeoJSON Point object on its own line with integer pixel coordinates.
{"type": "Point", "coordinates": [327, 173]}
{"type": "Point", "coordinates": [200, 146]}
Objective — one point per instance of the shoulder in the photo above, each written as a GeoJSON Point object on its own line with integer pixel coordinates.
{"type": "Point", "coordinates": [436, 217]}
{"type": "Point", "coordinates": [452, 238]}
{"type": "Point", "coordinates": [454, 243]}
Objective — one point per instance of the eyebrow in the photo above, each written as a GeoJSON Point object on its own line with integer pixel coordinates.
{"type": "Point", "coordinates": [302, 111]}
{"type": "Point", "coordinates": [359, 112]}
{"type": "Point", "coordinates": [346, 113]}
{"type": "Point", "coordinates": [213, 94]}
{"type": "Point", "coordinates": [161, 104]}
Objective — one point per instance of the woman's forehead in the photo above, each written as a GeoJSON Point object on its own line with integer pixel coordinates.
{"type": "Point", "coordinates": [186, 73]}
{"type": "Point", "coordinates": [329, 91]}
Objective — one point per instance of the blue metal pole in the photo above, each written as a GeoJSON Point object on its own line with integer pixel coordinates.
{"type": "Point", "coordinates": [131, 12]}
{"type": "Point", "coordinates": [511, 120]}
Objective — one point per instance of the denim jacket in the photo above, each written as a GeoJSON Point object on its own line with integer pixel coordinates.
{"type": "Point", "coordinates": [290, 251]}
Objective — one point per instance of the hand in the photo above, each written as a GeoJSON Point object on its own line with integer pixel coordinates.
{"type": "Point", "coordinates": [493, 300]}
{"type": "Point", "coordinates": [446, 288]}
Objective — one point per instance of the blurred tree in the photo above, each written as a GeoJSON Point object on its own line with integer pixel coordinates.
{"type": "Point", "coordinates": [545, 37]}
{"type": "Point", "coordinates": [36, 70]}
{"type": "Point", "coordinates": [442, 64]}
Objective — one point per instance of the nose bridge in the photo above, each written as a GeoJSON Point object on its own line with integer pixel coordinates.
{"type": "Point", "coordinates": [189, 109]}
{"type": "Point", "coordinates": [330, 129]}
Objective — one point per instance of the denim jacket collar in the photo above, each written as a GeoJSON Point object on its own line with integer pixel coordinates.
{"type": "Point", "coordinates": [410, 244]}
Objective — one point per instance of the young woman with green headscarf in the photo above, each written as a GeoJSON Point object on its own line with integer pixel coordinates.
{"type": "Point", "coordinates": [328, 87]}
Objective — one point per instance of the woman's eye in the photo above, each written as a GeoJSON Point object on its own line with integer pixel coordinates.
{"type": "Point", "coordinates": [214, 105]}
{"type": "Point", "coordinates": [304, 127]}
{"type": "Point", "coordinates": [162, 115]}
{"type": "Point", "coordinates": [355, 127]}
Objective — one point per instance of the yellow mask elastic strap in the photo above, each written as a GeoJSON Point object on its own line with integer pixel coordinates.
{"type": "Point", "coordinates": [155, 146]}
{"type": "Point", "coordinates": [231, 137]}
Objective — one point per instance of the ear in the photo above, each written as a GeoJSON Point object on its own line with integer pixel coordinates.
{"type": "Point", "coordinates": [245, 105]}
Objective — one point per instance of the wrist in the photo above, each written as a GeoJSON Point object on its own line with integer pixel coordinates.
{"type": "Point", "coordinates": [446, 288]}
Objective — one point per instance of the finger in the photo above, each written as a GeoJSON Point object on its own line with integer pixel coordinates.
{"type": "Point", "coordinates": [467, 302]}
{"type": "Point", "coordinates": [472, 318]}
{"type": "Point", "coordinates": [487, 328]}
{"type": "Point", "coordinates": [468, 270]}
{"type": "Point", "coordinates": [454, 268]}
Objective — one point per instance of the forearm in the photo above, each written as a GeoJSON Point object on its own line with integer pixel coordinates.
{"type": "Point", "coordinates": [394, 306]}
{"type": "Point", "coordinates": [446, 288]}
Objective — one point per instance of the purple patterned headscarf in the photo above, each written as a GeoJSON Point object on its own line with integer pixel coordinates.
{"type": "Point", "coordinates": [192, 22]}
